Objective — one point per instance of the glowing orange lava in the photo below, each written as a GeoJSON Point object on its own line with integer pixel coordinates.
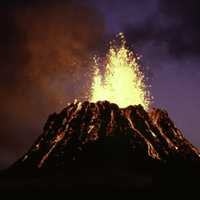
{"type": "Point", "coordinates": [123, 82]}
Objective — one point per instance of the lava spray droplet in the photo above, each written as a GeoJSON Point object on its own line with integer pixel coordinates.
{"type": "Point", "coordinates": [123, 81]}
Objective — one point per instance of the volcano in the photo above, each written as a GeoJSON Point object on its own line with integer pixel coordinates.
{"type": "Point", "coordinates": [108, 145]}
{"type": "Point", "coordinates": [99, 146]}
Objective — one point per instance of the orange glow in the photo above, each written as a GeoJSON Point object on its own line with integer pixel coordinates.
{"type": "Point", "coordinates": [123, 82]}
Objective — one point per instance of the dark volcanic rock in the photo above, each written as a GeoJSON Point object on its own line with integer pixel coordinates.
{"type": "Point", "coordinates": [101, 144]}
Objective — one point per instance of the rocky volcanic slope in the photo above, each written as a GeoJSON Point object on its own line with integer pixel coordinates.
{"type": "Point", "coordinates": [102, 131]}
{"type": "Point", "coordinates": [99, 146]}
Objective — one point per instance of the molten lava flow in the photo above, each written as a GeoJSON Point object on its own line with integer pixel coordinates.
{"type": "Point", "coordinates": [123, 82]}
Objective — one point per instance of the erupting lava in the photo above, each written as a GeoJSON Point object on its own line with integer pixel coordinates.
{"type": "Point", "coordinates": [123, 82]}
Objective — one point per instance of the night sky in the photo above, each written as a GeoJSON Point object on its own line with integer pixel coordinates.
{"type": "Point", "coordinates": [46, 48]}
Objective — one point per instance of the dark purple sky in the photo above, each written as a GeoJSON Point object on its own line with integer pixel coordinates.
{"type": "Point", "coordinates": [45, 57]}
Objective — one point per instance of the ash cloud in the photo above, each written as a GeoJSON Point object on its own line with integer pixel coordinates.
{"type": "Point", "coordinates": [45, 51]}
{"type": "Point", "coordinates": [173, 25]}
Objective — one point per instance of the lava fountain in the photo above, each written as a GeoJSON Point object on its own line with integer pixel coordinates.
{"type": "Point", "coordinates": [123, 81]}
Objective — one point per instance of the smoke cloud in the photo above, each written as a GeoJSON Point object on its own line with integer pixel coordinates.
{"type": "Point", "coordinates": [45, 51]}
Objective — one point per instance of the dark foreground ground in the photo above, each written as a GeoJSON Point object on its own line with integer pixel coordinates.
{"type": "Point", "coordinates": [173, 180]}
